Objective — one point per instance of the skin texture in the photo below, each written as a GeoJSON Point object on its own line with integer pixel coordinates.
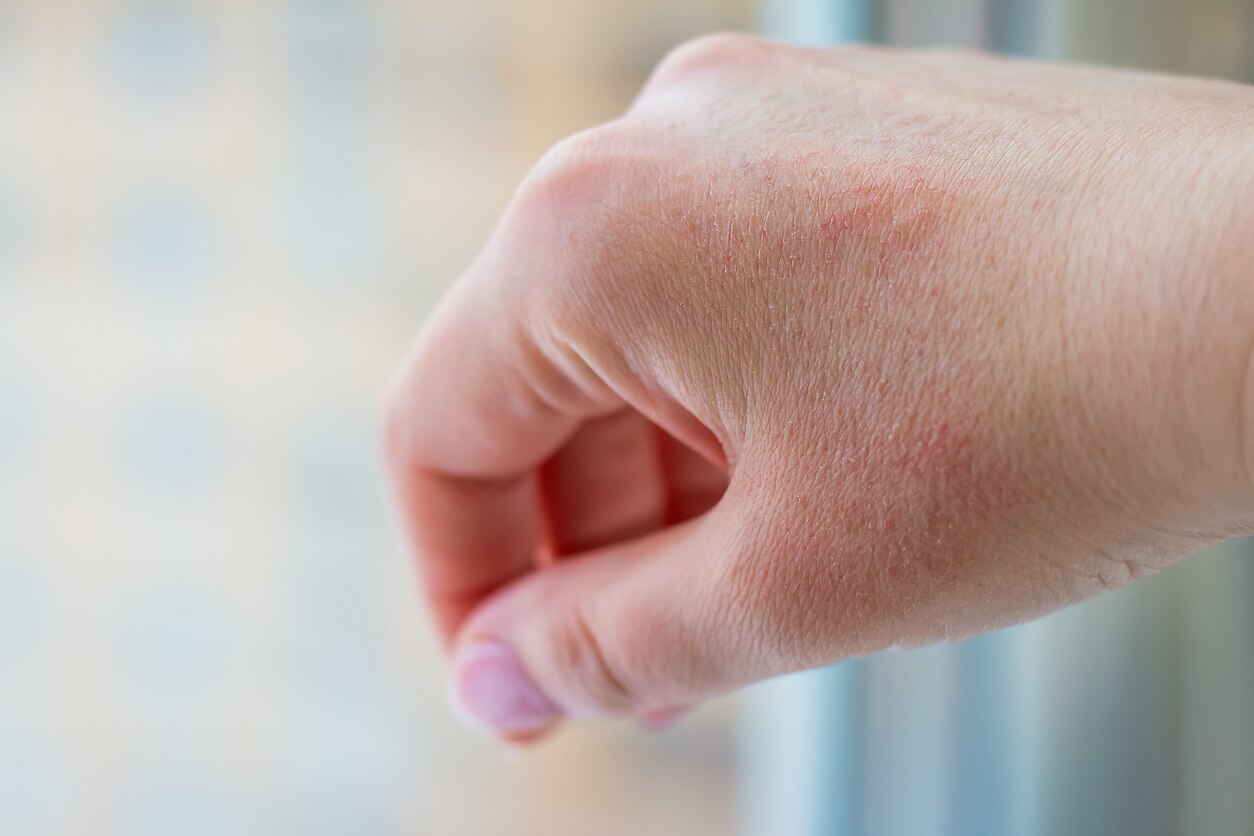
{"type": "Point", "coordinates": [819, 352]}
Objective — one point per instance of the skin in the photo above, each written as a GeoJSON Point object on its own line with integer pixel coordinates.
{"type": "Point", "coordinates": [819, 352]}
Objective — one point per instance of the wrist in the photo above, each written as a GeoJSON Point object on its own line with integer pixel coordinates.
{"type": "Point", "coordinates": [1222, 342]}
{"type": "Point", "coordinates": [1174, 400]}
{"type": "Point", "coordinates": [1239, 280]}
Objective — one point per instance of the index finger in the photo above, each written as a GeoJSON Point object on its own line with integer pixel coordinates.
{"type": "Point", "coordinates": [478, 405]}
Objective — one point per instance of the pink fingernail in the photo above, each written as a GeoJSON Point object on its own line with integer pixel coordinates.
{"type": "Point", "coordinates": [492, 690]}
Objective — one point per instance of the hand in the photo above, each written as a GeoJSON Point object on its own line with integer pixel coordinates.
{"type": "Point", "coordinates": [818, 352]}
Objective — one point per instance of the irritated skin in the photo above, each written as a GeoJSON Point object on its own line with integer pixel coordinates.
{"type": "Point", "coordinates": [817, 352]}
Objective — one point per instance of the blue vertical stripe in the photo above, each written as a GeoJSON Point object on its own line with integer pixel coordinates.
{"type": "Point", "coordinates": [981, 766]}
{"type": "Point", "coordinates": [804, 754]}
{"type": "Point", "coordinates": [820, 22]}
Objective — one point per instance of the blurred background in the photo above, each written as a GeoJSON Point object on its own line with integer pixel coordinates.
{"type": "Point", "coordinates": [221, 222]}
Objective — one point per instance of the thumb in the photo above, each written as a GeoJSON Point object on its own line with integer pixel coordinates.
{"type": "Point", "coordinates": [631, 629]}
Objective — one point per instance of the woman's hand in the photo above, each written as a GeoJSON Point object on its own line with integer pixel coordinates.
{"type": "Point", "coordinates": [818, 352]}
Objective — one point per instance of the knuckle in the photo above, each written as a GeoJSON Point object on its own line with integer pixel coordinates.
{"type": "Point", "coordinates": [768, 589]}
{"type": "Point", "coordinates": [774, 604]}
{"type": "Point", "coordinates": [592, 677]}
{"type": "Point", "coordinates": [718, 52]}
{"type": "Point", "coordinates": [654, 656]}
{"type": "Point", "coordinates": [795, 590]}
{"type": "Point", "coordinates": [584, 176]}
{"type": "Point", "coordinates": [591, 206]}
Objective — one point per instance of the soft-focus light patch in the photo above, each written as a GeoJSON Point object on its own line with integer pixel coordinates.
{"type": "Point", "coordinates": [171, 445]}
{"type": "Point", "coordinates": [333, 570]}
{"type": "Point", "coordinates": [8, 35]}
{"type": "Point", "coordinates": [11, 222]}
{"type": "Point", "coordinates": [330, 221]}
{"type": "Point", "coordinates": [17, 410]}
{"type": "Point", "coordinates": [332, 587]}
{"type": "Point", "coordinates": [23, 607]}
{"type": "Point", "coordinates": [331, 228]}
{"type": "Point", "coordinates": [339, 811]}
{"type": "Point", "coordinates": [188, 805]}
{"type": "Point", "coordinates": [342, 748]}
{"type": "Point", "coordinates": [323, 34]}
{"type": "Point", "coordinates": [337, 469]}
{"type": "Point", "coordinates": [330, 562]}
{"type": "Point", "coordinates": [176, 639]}
{"type": "Point", "coordinates": [159, 47]}
{"type": "Point", "coordinates": [35, 796]}
{"type": "Point", "coordinates": [342, 755]}
{"type": "Point", "coordinates": [164, 246]}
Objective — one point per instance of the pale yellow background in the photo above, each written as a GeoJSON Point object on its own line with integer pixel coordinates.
{"type": "Point", "coordinates": [220, 225]}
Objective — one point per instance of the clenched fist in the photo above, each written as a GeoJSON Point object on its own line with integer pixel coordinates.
{"type": "Point", "coordinates": [818, 352]}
